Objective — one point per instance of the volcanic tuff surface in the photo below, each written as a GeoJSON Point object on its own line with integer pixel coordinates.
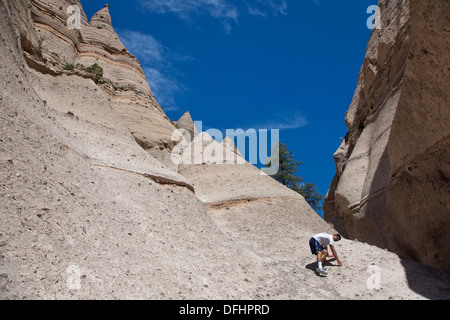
{"type": "Point", "coordinates": [93, 206]}
{"type": "Point", "coordinates": [393, 171]}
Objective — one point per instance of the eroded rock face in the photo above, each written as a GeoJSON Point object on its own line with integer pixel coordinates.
{"type": "Point", "coordinates": [392, 181]}
{"type": "Point", "coordinates": [81, 198]}
{"type": "Point", "coordinates": [96, 42]}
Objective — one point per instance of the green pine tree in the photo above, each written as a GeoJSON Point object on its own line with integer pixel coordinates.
{"type": "Point", "coordinates": [309, 192]}
{"type": "Point", "coordinates": [287, 175]}
{"type": "Point", "coordinates": [288, 167]}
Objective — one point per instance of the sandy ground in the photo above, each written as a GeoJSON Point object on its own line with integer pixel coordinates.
{"type": "Point", "coordinates": [127, 237]}
{"type": "Point", "coordinates": [368, 271]}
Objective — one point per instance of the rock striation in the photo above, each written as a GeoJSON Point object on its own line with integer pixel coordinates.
{"type": "Point", "coordinates": [96, 42]}
{"type": "Point", "coordinates": [392, 171]}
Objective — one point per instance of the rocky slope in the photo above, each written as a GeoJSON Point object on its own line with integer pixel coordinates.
{"type": "Point", "coordinates": [93, 207]}
{"type": "Point", "coordinates": [392, 182]}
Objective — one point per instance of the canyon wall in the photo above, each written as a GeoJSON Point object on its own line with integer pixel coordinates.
{"type": "Point", "coordinates": [392, 187]}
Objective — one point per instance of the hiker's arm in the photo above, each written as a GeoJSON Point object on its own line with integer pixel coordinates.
{"type": "Point", "coordinates": [335, 255]}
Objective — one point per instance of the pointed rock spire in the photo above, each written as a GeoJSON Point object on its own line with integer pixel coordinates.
{"type": "Point", "coordinates": [102, 18]}
{"type": "Point", "coordinates": [186, 122]}
{"type": "Point", "coordinates": [232, 153]}
{"type": "Point", "coordinates": [228, 142]}
{"type": "Point", "coordinates": [186, 118]}
{"type": "Point", "coordinates": [101, 21]}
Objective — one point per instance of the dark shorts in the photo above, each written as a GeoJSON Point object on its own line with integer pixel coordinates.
{"type": "Point", "coordinates": [315, 246]}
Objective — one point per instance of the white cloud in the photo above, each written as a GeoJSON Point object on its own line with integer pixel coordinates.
{"type": "Point", "coordinates": [186, 8]}
{"type": "Point", "coordinates": [157, 62]}
{"type": "Point", "coordinates": [163, 87]}
{"type": "Point", "coordinates": [143, 46]}
{"type": "Point", "coordinates": [266, 7]}
{"type": "Point", "coordinates": [281, 121]}
{"type": "Point", "coordinates": [226, 11]}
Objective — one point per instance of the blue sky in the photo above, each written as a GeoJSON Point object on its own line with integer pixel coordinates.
{"type": "Point", "coordinates": [291, 65]}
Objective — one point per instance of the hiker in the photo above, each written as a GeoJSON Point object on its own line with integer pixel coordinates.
{"type": "Point", "coordinates": [319, 244]}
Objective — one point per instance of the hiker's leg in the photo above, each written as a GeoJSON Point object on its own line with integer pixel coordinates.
{"type": "Point", "coordinates": [321, 256]}
{"type": "Point", "coordinates": [328, 256]}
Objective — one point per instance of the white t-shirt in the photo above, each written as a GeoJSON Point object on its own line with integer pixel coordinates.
{"type": "Point", "coordinates": [324, 239]}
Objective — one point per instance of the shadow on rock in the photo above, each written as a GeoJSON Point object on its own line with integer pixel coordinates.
{"type": "Point", "coordinates": [427, 281]}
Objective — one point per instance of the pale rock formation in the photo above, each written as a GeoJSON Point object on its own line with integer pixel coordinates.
{"type": "Point", "coordinates": [97, 42]}
{"type": "Point", "coordinates": [392, 182]}
{"type": "Point", "coordinates": [88, 213]}
{"type": "Point", "coordinates": [73, 108]}
{"type": "Point", "coordinates": [229, 144]}
{"type": "Point", "coordinates": [220, 173]}
{"type": "Point", "coordinates": [186, 123]}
